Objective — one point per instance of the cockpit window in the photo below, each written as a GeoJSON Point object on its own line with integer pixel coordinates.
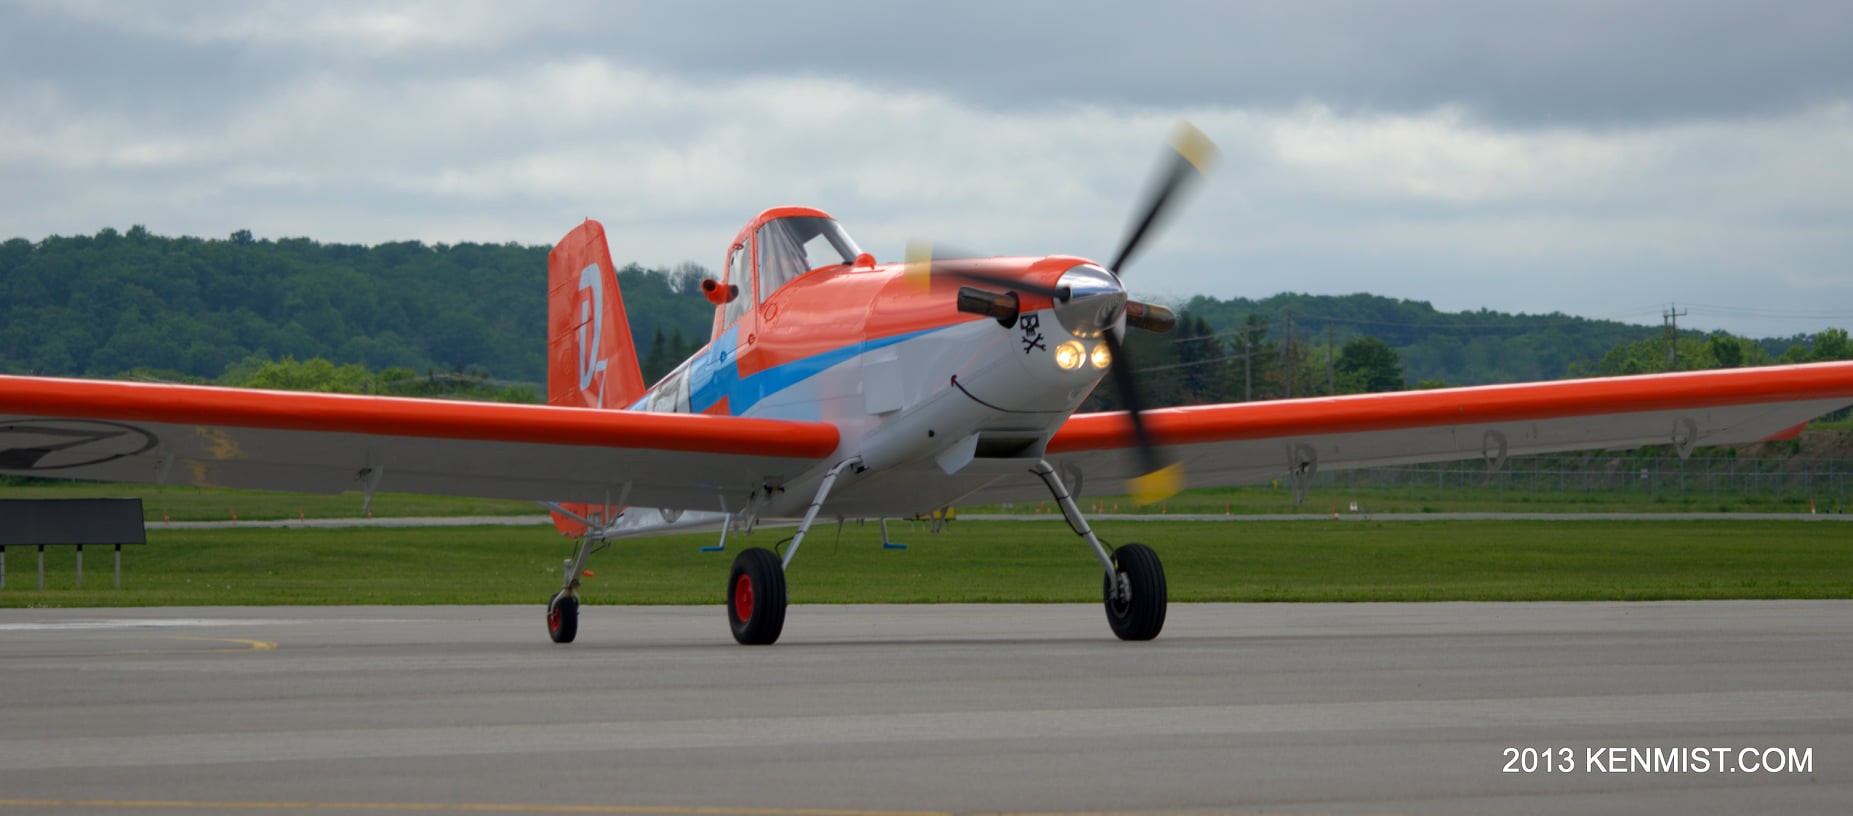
{"type": "Point", "coordinates": [737, 266]}
{"type": "Point", "coordinates": [789, 247]}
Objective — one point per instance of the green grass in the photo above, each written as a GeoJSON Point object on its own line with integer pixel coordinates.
{"type": "Point", "coordinates": [1278, 500]}
{"type": "Point", "coordinates": [179, 503]}
{"type": "Point", "coordinates": [1012, 562]}
{"type": "Point", "coordinates": [176, 503]}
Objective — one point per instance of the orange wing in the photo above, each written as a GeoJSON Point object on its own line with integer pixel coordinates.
{"type": "Point", "coordinates": [1256, 441]}
{"type": "Point", "coordinates": [198, 435]}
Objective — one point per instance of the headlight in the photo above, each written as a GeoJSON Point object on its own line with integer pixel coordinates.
{"type": "Point", "coordinates": [1101, 357]}
{"type": "Point", "coordinates": [1069, 355]}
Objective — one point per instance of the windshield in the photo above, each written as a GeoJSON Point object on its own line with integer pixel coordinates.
{"type": "Point", "coordinates": [790, 247]}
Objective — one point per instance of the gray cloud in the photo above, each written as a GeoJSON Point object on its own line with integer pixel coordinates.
{"type": "Point", "coordinates": [1568, 63]}
{"type": "Point", "coordinates": [1597, 63]}
{"type": "Point", "coordinates": [1589, 158]}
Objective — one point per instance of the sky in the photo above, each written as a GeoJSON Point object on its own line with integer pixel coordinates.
{"type": "Point", "coordinates": [1604, 159]}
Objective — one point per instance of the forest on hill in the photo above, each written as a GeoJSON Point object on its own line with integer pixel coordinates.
{"type": "Point", "coordinates": [409, 317]}
{"type": "Point", "coordinates": [113, 303]}
{"type": "Point", "coordinates": [1459, 348]}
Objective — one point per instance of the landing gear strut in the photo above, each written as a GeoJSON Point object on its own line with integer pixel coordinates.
{"type": "Point", "coordinates": [563, 607]}
{"type": "Point", "coordinates": [1134, 587]}
{"type": "Point", "coordinates": [756, 584]}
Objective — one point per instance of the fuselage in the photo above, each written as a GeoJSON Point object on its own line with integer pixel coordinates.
{"type": "Point", "coordinates": [934, 402]}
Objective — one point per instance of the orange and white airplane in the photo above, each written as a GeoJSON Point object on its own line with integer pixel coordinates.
{"type": "Point", "coordinates": [840, 387]}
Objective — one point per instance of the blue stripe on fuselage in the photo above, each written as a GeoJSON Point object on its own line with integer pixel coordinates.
{"type": "Point", "coordinates": [713, 374]}
{"type": "Point", "coordinates": [716, 374]}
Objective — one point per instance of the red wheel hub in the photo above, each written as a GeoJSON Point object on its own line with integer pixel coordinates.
{"type": "Point", "coordinates": [743, 598]}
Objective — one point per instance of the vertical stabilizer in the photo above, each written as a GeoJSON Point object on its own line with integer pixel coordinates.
{"type": "Point", "coordinates": [591, 362]}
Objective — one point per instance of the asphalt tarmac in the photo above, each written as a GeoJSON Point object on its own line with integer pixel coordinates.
{"type": "Point", "coordinates": [1283, 708]}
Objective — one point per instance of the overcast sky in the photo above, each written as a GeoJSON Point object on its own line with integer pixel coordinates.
{"type": "Point", "coordinates": [1602, 159]}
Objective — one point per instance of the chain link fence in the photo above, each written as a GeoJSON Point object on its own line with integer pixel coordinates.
{"type": "Point", "coordinates": [1825, 482]}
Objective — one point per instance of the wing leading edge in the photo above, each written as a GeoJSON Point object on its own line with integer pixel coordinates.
{"type": "Point", "coordinates": [1251, 442]}
{"type": "Point", "coordinates": [224, 437]}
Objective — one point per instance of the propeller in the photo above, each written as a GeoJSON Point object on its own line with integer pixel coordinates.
{"type": "Point", "coordinates": [1189, 160]}
{"type": "Point", "coordinates": [1191, 157]}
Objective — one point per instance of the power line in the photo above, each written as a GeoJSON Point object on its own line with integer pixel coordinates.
{"type": "Point", "coordinates": [1542, 321]}
{"type": "Point", "coordinates": [1775, 314]}
{"type": "Point", "coordinates": [1208, 360]}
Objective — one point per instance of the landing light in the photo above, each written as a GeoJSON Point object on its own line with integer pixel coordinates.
{"type": "Point", "coordinates": [1069, 355]}
{"type": "Point", "coordinates": [1101, 357]}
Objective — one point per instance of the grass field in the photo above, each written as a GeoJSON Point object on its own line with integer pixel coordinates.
{"type": "Point", "coordinates": [174, 503]}
{"type": "Point", "coordinates": [180, 503]}
{"type": "Point", "coordinates": [1012, 562]}
{"type": "Point", "coordinates": [1324, 500]}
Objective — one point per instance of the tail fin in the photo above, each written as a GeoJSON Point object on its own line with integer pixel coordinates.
{"type": "Point", "coordinates": [591, 362]}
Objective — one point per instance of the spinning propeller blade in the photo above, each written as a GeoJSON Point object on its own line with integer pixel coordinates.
{"type": "Point", "coordinates": [1191, 157]}
{"type": "Point", "coordinates": [926, 259]}
{"type": "Point", "coordinates": [1189, 160]}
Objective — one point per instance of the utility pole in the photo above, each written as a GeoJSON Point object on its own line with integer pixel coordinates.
{"type": "Point", "coordinates": [1291, 361]}
{"type": "Point", "coordinates": [1331, 373]}
{"type": "Point", "coordinates": [1248, 364]}
{"type": "Point", "coordinates": [1670, 321]}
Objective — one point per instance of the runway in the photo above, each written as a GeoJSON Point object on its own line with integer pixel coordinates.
{"type": "Point", "coordinates": [1271, 708]}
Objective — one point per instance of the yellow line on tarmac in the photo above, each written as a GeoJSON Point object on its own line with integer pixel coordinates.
{"type": "Point", "coordinates": [250, 645]}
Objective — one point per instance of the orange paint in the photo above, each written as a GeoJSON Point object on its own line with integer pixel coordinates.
{"type": "Point", "coordinates": [585, 307]}
{"type": "Point", "coordinates": [843, 306]}
{"type": "Point", "coordinates": [398, 416]}
{"type": "Point", "coordinates": [1786, 435]}
{"type": "Point", "coordinates": [834, 307]}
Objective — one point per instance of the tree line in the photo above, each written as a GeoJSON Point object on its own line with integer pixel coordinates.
{"type": "Point", "coordinates": [1201, 363]}
{"type": "Point", "coordinates": [469, 319]}
{"type": "Point", "coordinates": [115, 302]}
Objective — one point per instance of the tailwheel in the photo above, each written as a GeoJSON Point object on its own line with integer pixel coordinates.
{"type": "Point", "coordinates": [1137, 612]}
{"type": "Point", "coordinates": [562, 617]}
{"type": "Point", "coordinates": [756, 597]}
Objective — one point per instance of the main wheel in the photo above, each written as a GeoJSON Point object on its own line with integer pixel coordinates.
{"type": "Point", "coordinates": [1141, 615]}
{"type": "Point", "coordinates": [756, 597]}
{"type": "Point", "coordinates": [562, 617]}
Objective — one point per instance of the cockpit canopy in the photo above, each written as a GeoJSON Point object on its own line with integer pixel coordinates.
{"type": "Point", "coordinates": [794, 245]}
{"type": "Point", "coordinates": [779, 246]}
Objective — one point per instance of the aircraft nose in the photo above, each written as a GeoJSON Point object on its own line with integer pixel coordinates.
{"type": "Point", "coordinates": [1095, 300]}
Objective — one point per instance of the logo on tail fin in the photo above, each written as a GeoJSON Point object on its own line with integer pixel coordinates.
{"type": "Point", "coordinates": [590, 364]}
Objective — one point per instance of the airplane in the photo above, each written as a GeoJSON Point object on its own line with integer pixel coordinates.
{"type": "Point", "coordinates": [836, 386]}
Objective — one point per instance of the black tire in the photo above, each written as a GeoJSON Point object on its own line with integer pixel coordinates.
{"type": "Point", "coordinates": [563, 618]}
{"type": "Point", "coordinates": [756, 597]}
{"type": "Point", "coordinates": [1142, 616]}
